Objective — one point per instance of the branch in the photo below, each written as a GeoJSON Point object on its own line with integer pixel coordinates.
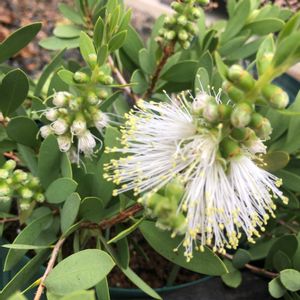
{"type": "Point", "coordinates": [168, 51]}
{"type": "Point", "coordinates": [11, 155]}
{"type": "Point", "coordinates": [121, 217]}
{"type": "Point", "coordinates": [50, 266]}
{"type": "Point", "coordinates": [255, 269]}
{"type": "Point", "coordinates": [289, 227]}
{"type": "Point", "coordinates": [6, 220]}
{"type": "Point", "coordinates": [122, 80]}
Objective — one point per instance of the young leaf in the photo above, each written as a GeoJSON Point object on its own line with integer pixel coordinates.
{"type": "Point", "coordinates": [13, 91]}
{"type": "Point", "coordinates": [240, 258]}
{"type": "Point", "coordinates": [265, 26]}
{"type": "Point", "coordinates": [276, 289]}
{"type": "Point", "coordinates": [86, 47]}
{"type": "Point", "coordinates": [99, 32]}
{"type": "Point", "coordinates": [79, 271]}
{"type": "Point", "coordinates": [91, 209]}
{"type": "Point", "coordinates": [24, 247]}
{"type": "Point", "coordinates": [66, 31]}
{"type": "Point", "coordinates": [55, 43]}
{"type": "Point", "coordinates": [102, 55]}
{"type": "Point", "coordinates": [139, 82]}
{"type": "Point", "coordinates": [234, 277]}
{"type": "Point", "coordinates": [71, 14]}
{"type": "Point", "coordinates": [60, 189]}
{"type": "Point", "coordinates": [18, 40]}
{"type": "Point", "coordinates": [290, 279]}
{"type": "Point", "coordinates": [102, 290]}
{"type": "Point", "coordinates": [117, 41]}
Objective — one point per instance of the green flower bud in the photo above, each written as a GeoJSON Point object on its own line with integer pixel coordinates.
{"type": "Point", "coordinates": [108, 80]}
{"type": "Point", "coordinates": [185, 45]}
{"type": "Point", "coordinates": [191, 28]}
{"type": "Point", "coordinates": [175, 189]}
{"type": "Point", "coordinates": [229, 148]}
{"type": "Point", "coordinates": [4, 174]}
{"type": "Point", "coordinates": [183, 35]}
{"type": "Point", "coordinates": [92, 98]}
{"type": "Point", "coordinates": [4, 190]}
{"type": "Point", "coordinates": [234, 93]}
{"type": "Point", "coordinates": [24, 204]}
{"type": "Point", "coordinates": [178, 7]}
{"type": "Point", "coordinates": [202, 2]}
{"type": "Point", "coordinates": [265, 61]}
{"type": "Point", "coordinates": [101, 77]}
{"type": "Point", "coordinates": [39, 197]}
{"type": "Point", "coordinates": [241, 115]}
{"type": "Point", "coordinates": [75, 103]}
{"type": "Point", "coordinates": [81, 77]}
{"type": "Point", "coordinates": [276, 96]}
{"type": "Point", "coordinates": [178, 223]}
{"type": "Point", "coordinates": [182, 20]}
{"type": "Point", "coordinates": [256, 120]}
{"type": "Point", "coordinates": [211, 112]}
{"type": "Point", "coordinates": [224, 111]}
{"type": "Point", "coordinates": [33, 183]}
{"type": "Point", "coordinates": [241, 78]}
{"type": "Point", "coordinates": [92, 60]}
{"type": "Point", "coordinates": [19, 176]}
{"type": "Point", "coordinates": [194, 13]}
{"type": "Point", "coordinates": [26, 193]}
{"type": "Point", "coordinates": [164, 209]}
{"type": "Point", "coordinates": [102, 94]}
{"type": "Point", "coordinates": [9, 165]}
{"type": "Point", "coordinates": [265, 130]}
{"type": "Point", "coordinates": [154, 199]}
{"type": "Point", "coordinates": [170, 35]}
{"type": "Point", "coordinates": [240, 134]}
{"type": "Point", "coordinates": [169, 20]}
{"type": "Point", "coordinates": [162, 32]}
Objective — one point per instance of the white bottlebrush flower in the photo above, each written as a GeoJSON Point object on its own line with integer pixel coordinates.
{"type": "Point", "coordinates": [200, 102]}
{"type": "Point", "coordinates": [78, 126]}
{"type": "Point", "coordinates": [45, 131]}
{"type": "Point", "coordinates": [60, 99]}
{"type": "Point", "coordinates": [64, 143]}
{"type": "Point", "coordinates": [100, 120]}
{"type": "Point", "coordinates": [86, 143]}
{"type": "Point", "coordinates": [60, 126]}
{"type": "Point", "coordinates": [223, 197]}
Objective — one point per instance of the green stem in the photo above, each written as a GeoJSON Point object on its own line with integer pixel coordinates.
{"type": "Point", "coordinates": [173, 275]}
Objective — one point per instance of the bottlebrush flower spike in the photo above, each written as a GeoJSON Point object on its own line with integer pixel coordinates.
{"type": "Point", "coordinates": [226, 191]}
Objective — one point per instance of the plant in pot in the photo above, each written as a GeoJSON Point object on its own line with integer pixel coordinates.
{"type": "Point", "coordinates": [182, 145]}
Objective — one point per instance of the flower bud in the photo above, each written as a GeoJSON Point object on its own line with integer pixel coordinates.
{"type": "Point", "coordinates": [170, 35]}
{"type": "Point", "coordinates": [256, 120]}
{"type": "Point", "coordinates": [102, 94]}
{"type": "Point", "coordinates": [60, 126]}
{"type": "Point", "coordinates": [154, 199]}
{"type": "Point", "coordinates": [92, 60]}
{"type": "Point", "coordinates": [241, 115]}
{"type": "Point", "coordinates": [234, 93]}
{"type": "Point", "coordinates": [241, 78]}
{"type": "Point", "coordinates": [185, 45]}
{"type": "Point", "coordinates": [24, 204]}
{"type": "Point", "coordinates": [39, 197]}
{"type": "Point", "coordinates": [240, 134]}
{"type": "Point", "coordinates": [182, 20]}
{"type": "Point", "coordinates": [211, 112]}
{"type": "Point", "coordinates": [19, 176]}
{"type": "Point", "coordinates": [100, 120]}
{"type": "Point", "coordinates": [75, 104]}
{"type": "Point", "coordinates": [4, 190]}
{"type": "Point", "coordinates": [229, 148]}
{"type": "Point", "coordinates": [203, 2]}
{"type": "Point", "coordinates": [254, 144]}
{"type": "Point", "coordinates": [175, 189]}
{"type": "Point", "coordinates": [51, 114]}
{"type": "Point", "coordinates": [64, 143]}
{"type": "Point", "coordinates": [191, 28]}
{"type": "Point", "coordinates": [26, 193]}
{"type": "Point", "coordinates": [108, 80]}
{"type": "Point", "coordinates": [195, 13]}
{"type": "Point", "coordinates": [178, 7]}
{"type": "Point", "coordinates": [4, 174]}
{"type": "Point", "coordinates": [46, 131]}
{"type": "Point", "coordinates": [178, 223]}
{"type": "Point", "coordinates": [9, 165]}
{"type": "Point", "coordinates": [164, 208]}
{"type": "Point", "coordinates": [78, 126]}
{"type": "Point", "coordinates": [162, 32]}
{"type": "Point", "coordinates": [86, 143]}
{"type": "Point", "coordinates": [60, 99]}
{"type": "Point", "coordinates": [276, 97]}
{"type": "Point", "coordinates": [33, 183]}
{"type": "Point", "coordinates": [183, 35]}
{"type": "Point", "coordinates": [264, 62]}
{"type": "Point", "coordinates": [169, 20]}
{"type": "Point", "coordinates": [92, 98]}
{"type": "Point", "coordinates": [265, 130]}
{"type": "Point", "coordinates": [201, 100]}
{"type": "Point", "coordinates": [81, 77]}
{"type": "Point", "coordinates": [224, 111]}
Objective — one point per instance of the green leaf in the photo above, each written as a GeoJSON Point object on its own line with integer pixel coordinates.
{"type": "Point", "coordinates": [17, 296]}
{"type": "Point", "coordinates": [276, 160]}
{"type": "Point", "coordinates": [109, 101]}
{"type": "Point", "coordinates": [267, 46]}
{"type": "Point", "coordinates": [70, 13]}
{"type": "Point", "coordinates": [290, 279]}
{"type": "Point", "coordinates": [238, 20]}
{"type": "Point", "coordinates": [222, 68]}
{"type": "Point", "coordinates": [234, 277]}
{"type": "Point", "coordinates": [49, 69]}
{"type": "Point", "coordinates": [102, 290]}
{"type": "Point", "coordinates": [79, 271]}
{"type": "Point", "coordinates": [18, 40]}
{"type": "Point", "coordinates": [281, 261]}
{"type": "Point", "coordinates": [70, 211]}
{"type": "Point", "coordinates": [201, 81]}
{"type": "Point", "coordinates": [24, 131]}
{"type": "Point", "coordinates": [66, 167]}
{"type": "Point", "coordinates": [66, 31]}
{"type": "Point", "coordinates": [13, 91]}
{"type": "Point", "coordinates": [290, 180]}
{"type": "Point", "coordinates": [232, 44]}
{"type": "Point", "coordinates": [287, 244]}
{"type": "Point", "coordinates": [205, 262]}
{"type": "Point", "coordinates": [117, 41]}
{"type": "Point", "coordinates": [55, 43]}
{"type": "Point", "coordinates": [276, 289]}
{"type": "Point", "coordinates": [126, 232]}
{"type": "Point", "coordinates": [240, 258]}
{"type": "Point", "coordinates": [60, 189]}
{"type": "Point", "coordinates": [147, 61]}
{"type": "Point", "coordinates": [291, 26]}
{"type": "Point", "coordinates": [24, 275]}
{"type": "Point", "coordinates": [28, 157]}
{"type": "Point", "coordinates": [102, 55]}
{"type": "Point", "coordinates": [86, 47]}
{"type": "Point", "coordinates": [66, 76]}
{"type": "Point", "coordinates": [27, 236]}
{"type": "Point", "coordinates": [183, 71]}
{"type": "Point", "coordinates": [246, 50]}
{"type": "Point", "coordinates": [24, 247]}
{"type": "Point", "coordinates": [99, 32]}
{"type": "Point", "coordinates": [91, 209]}
{"type": "Point", "coordinates": [48, 160]}
{"type": "Point", "coordinates": [139, 82]}
{"type": "Point", "coordinates": [265, 26]}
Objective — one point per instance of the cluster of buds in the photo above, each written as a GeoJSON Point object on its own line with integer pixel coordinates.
{"type": "Point", "coordinates": [181, 27]}
{"type": "Point", "coordinates": [15, 183]}
{"type": "Point", "coordinates": [100, 77]}
{"type": "Point", "coordinates": [72, 116]}
{"type": "Point", "coordinates": [240, 82]}
{"type": "Point", "coordinates": [163, 205]}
